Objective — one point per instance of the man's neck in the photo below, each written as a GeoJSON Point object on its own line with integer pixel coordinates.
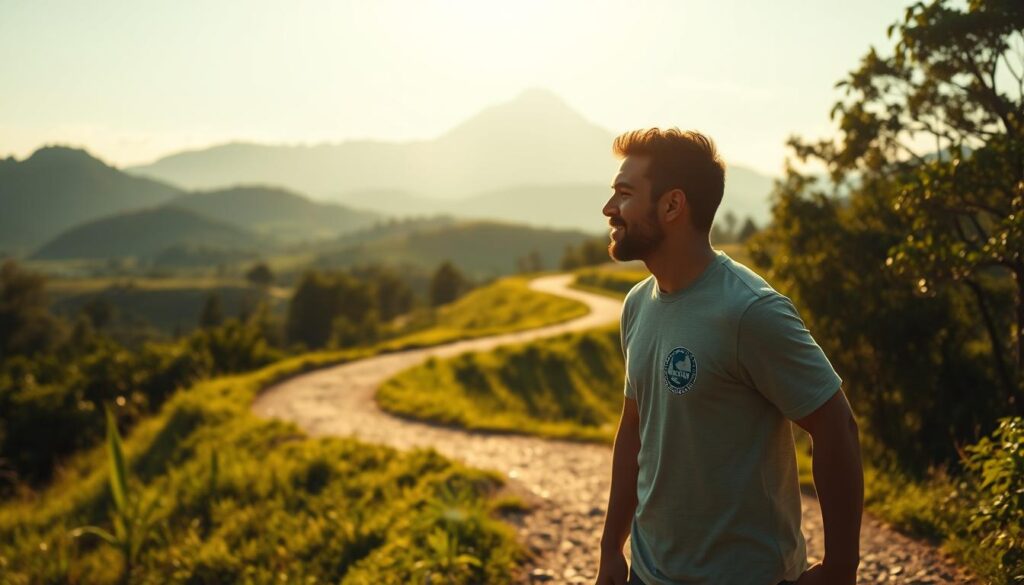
{"type": "Point", "coordinates": [677, 265]}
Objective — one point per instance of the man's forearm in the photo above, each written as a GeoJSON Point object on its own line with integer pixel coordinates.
{"type": "Point", "coordinates": [622, 499]}
{"type": "Point", "coordinates": [839, 482]}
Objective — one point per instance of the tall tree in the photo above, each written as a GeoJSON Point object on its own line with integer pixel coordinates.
{"type": "Point", "coordinates": [447, 284]}
{"type": "Point", "coordinates": [212, 314]}
{"type": "Point", "coordinates": [908, 256]}
{"type": "Point", "coordinates": [26, 325]}
{"type": "Point", "coordinates": [942, 117]}
{"type": "Point", "coordinates": [323, 304]}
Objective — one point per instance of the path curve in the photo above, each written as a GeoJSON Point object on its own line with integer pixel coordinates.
{"type": "Point", "coordinates": [566, 483]}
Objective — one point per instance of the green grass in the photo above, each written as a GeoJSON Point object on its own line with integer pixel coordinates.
{"type": "Point", "coordinates": [280, 507]}
{"type": "Point", "coordinates": [568, 387]}
{"type": "Point", "coordinates": [503, 306]}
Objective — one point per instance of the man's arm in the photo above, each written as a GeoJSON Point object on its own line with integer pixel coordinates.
{"type": "Point", "coordinates": [622, 499]}
{"type": "Point", "coordinates": [839, 481]}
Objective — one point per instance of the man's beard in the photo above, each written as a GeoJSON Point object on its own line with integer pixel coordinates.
{"type": "Point", "coordinates": [637, 241]}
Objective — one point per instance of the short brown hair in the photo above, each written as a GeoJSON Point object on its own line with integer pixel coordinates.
{"type": "Point", "coordinates": [680, 159]}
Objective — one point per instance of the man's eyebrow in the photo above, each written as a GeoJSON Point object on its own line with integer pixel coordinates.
{"type": "Point", "coordinates": [622, 185]}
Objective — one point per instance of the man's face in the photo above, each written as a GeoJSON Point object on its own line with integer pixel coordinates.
{"type": "Point", "coordinates": [632, 213]}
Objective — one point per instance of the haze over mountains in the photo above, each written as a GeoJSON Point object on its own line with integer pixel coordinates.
{"type": "Point", "coordinates": [532, 159]}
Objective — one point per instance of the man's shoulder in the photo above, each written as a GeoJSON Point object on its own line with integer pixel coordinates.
{"type": "Point", "coordinates": [747, 285]}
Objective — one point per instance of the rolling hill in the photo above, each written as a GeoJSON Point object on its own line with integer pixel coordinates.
{"type": "Point", "coordinates": [276, 212]}
{"type": "Point", "coordinates": [145, 234]}
{"type": "Point", "coordinates": [59, 187]}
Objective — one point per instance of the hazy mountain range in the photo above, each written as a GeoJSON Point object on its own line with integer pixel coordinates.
{"type": "Point", "coordinates": [62, 203]}
{"type": "Point", "coordinates": [532, 159]}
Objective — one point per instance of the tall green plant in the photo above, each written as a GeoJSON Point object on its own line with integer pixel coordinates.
{"type": "Point", "coordinates": [131, 517]}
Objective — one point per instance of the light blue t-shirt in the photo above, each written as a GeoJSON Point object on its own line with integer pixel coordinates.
{"type": "Point", "coordinates": [717, 369]}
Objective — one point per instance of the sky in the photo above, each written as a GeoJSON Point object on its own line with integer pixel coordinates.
{"type": "Point", "coordinates": [135, 80]}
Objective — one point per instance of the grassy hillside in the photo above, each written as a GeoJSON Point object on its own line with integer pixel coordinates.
{"type": "Point", "coordinates": [144, 234]}
{"type": "Point", "coordinates": [276, 212]}
{"type": "Point", "coordinates": [237, 499]}
{"type": "Point", "coordinates": [501, 307]}
{"type": "Point", "coordinates": [57, 188]}
{"type": "Point", "coordinates": [566, 387]}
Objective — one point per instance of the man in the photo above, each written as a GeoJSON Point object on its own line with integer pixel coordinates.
{"type": "Point", "coordinates": [704, 471]}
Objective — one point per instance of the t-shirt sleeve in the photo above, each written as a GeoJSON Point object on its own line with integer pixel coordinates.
{"type": "Point", "coordinates": [777, 355]}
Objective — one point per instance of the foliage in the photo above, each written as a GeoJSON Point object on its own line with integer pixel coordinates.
{"type": "Point", "coordinates": [447, 284]}
{"type": "Point", "coordinates": [48, 404]}
{"type": "Point", "coordinates": [324, 303]}
{"type": "Point", "coordinates": [995, 468]}
{"type": "Point", "coordinates": [260, 275]}
{"type": "Point", "coordinates": [588, 253]}
{"type": "Point", "coordinates": [955, 80]}
{"type": "Point", "coordinates": [131, 518]}
{"type": "Point", "coordinates": [271, 506]}
{"type": "Point", "coordinates": [26, 327]}
{"type": "Point", "coordinates": [392, 293]}
{"type": "Point", "coordinates": [212, 314]}
{"type": "Point", "coordinates": [908, 265]}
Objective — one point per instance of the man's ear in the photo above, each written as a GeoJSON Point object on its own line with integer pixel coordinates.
{"type": "Point", "coordinates": [675, 204]}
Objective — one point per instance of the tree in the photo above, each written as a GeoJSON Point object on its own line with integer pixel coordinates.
{"type": "Point", "coordinates": [589, 253]}
{"type": "Point", "coordinates": [532, 262]}
{"type": "Point", "coordinates": [260, 275]}
{"type": "Point", "coordinates": [747, 231]}
{"type": "Point", "coordinates": [946, 85]}
{"type": "Point", "coordinates": [392, 294]}
{"type": "Point", "coordinates": [212, 314]}
{"type": "Point", "coordinates": [26, 325]}
{"type": "Point", "coordinates": [730, 220]}
{"type": "Point", "coordinates": [325, 303]}
{"type": "Point", "coordinates": [908, 256]}
{"type": "Point", "coordinates": [446, 285]}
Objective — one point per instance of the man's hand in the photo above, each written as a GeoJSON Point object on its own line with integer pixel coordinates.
{"type": "Point", "coordinates": [821, 575]}
{"type": "Point", "coordinates": [613, 569]}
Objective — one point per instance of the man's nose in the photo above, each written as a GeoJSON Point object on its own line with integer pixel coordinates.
{"type": "Point", "coordinates": [610, 209]}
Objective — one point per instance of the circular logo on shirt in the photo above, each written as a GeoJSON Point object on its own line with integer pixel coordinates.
{"type": "Point", "coordinates": [680, 370]}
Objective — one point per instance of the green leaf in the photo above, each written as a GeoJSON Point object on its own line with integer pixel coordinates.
{"type": "Point", "coordinates": [118, 469]}
{"type": "Point", "coordinates": [96, 531]}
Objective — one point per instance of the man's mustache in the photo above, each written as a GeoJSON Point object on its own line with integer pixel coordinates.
{"type": "Point", "coordinates": [616, 223]}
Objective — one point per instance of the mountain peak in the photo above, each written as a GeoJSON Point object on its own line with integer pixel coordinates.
{"type": "Point", "coordinates": [64, 155]}
{"type": "Point", "coordinates": [532, 112]}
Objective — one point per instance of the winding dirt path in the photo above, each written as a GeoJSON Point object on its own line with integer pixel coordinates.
{"type": "Point", "coordinates": [566, 483]}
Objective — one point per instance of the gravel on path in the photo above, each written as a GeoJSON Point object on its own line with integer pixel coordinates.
{"type": "Point", "coordinates": [565, 483]}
